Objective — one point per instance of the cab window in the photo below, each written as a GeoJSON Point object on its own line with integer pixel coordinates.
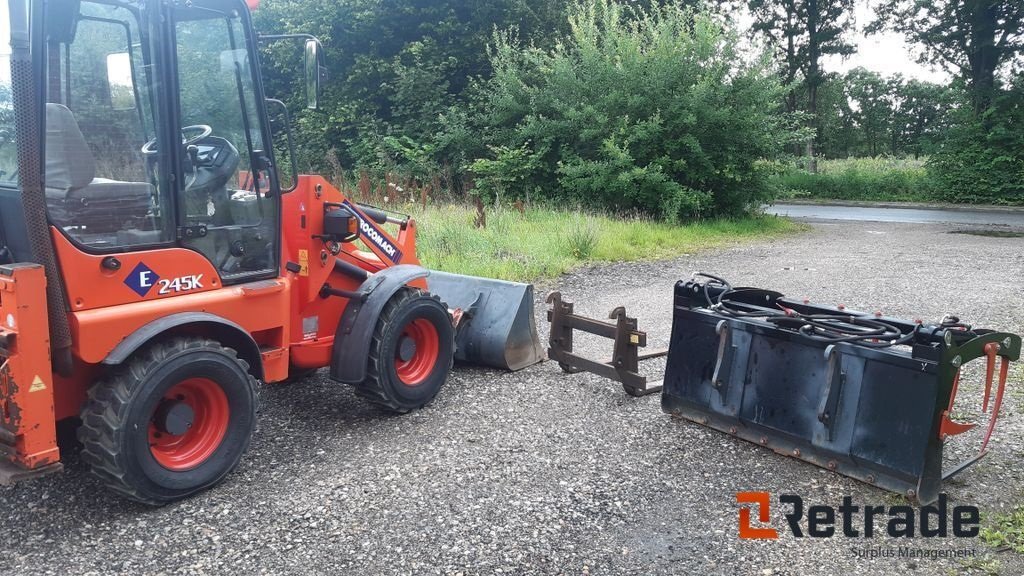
{"type": "Point", "coordinates": [102, 188]}
{"type": "Point", "coordinates": [8, 149]}
{"type": "Point", "coordinates": [229, 202]}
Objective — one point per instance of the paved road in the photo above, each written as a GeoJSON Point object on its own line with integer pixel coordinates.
{"type": "Point", "coordinates": [541, 473]}
{"type": "Point", "coordinates": [973, 217]}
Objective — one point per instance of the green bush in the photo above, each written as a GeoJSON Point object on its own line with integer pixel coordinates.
{"type": "Point", "coordinates": [982, 158]}
{"type": "Point", "coordinates": [652, 112]}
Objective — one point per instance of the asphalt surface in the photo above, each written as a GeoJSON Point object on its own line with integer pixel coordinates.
{"type": "Point", "coordinates": [541, 473]}
{"type": "Point", "coordinates": [976, 217]}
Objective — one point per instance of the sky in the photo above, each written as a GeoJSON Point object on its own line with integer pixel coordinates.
{"type": "Point", "coordinates": [885, 53]}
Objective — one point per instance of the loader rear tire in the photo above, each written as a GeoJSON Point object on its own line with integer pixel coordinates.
{"type": "Point", "coordinates": [411, 352]}
{"type": "Point", "coordinates": [172, 421]}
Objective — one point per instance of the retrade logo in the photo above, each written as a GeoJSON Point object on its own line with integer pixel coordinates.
{"type": "Point", "coordinates": [141, 279]}
{"type": "Point", "coordinates": [855, 521]}
{"type": "Point", "coordinates": [763, 502]}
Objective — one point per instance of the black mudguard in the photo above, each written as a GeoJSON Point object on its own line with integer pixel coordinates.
{"type": "Point", "coordinates": [355, 330]}
{"type": "Point", "coordinates": [221, 329]}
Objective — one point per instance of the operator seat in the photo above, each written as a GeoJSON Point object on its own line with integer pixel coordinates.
{"type": "Point", "coordinates": [74, 196]}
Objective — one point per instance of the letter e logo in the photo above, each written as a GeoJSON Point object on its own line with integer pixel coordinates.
{"type": "Point", "coordinates": [141, 279]}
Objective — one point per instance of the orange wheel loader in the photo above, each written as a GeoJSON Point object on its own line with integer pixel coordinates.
{"type": "Point", "coordinates": [157, 264]}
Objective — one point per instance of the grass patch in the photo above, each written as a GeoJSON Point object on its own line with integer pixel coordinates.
{"type": "Point", "coordinates": [981, 566]}
{"type": "Point", "coordinates": [869, 179]}
{"type": "Point", "coordinates": [545, 243]}
{"type": "Point", "coordinates": [1006, 531]}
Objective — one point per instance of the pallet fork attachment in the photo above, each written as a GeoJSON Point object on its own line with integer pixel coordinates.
{"type": "Point", "coordinates": [624, 365]}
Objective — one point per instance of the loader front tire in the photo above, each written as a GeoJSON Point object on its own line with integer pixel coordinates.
{"type": "Point", "coordinates": [411, 352]}
{"type": "Point", "coordinates": [172, 421]}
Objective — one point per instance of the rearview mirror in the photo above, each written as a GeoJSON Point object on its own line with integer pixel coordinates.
{"type": "Point", "coordinates": [119, 77]}
{"type": "Point", "coordinates": [315, 73]}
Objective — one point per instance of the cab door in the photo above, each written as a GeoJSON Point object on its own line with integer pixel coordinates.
{"type": "Point", "coordinates": [227, 189]}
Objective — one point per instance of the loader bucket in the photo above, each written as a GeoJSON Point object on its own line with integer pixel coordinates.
{"type": "Point", "coordinates": [863, 395]}
{"type": "Point", "coordinates": [495, 323]}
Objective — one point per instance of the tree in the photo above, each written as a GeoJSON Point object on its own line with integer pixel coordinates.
{"type": "Point", "coordinates": [780, 24]}
{"type": "Point", "coordinates": [802, 32]}
{"type": "Point", "coordinates": [872, 97]}
{"type": "Point", "coordinates": [970, 38]}
{"type": "Point", "coordinates": [981, 159]}
{"type": "Point", "coordinates": [837, 125]}
{"type": "Point", "coordinates": [921, 116]}
{"type": "Point", "coordinates": [396, 68]}
{"type": "Point", "coordinates": [866, 114]}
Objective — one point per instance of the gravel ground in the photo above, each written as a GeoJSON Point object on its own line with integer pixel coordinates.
{"type": "Point", "coordinates": [541, 473]}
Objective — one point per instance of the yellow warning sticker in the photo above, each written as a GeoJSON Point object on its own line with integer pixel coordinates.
{"type": "Point", "coordinates": [304, 262]}
{"type": "Point", "coordinates": [37, 384]}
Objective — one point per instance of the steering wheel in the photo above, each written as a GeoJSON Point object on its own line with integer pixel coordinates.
{"type": "Point", "coordinates": [149, 148]}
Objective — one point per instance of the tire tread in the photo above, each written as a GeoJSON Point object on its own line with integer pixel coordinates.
{"type": "Point", "coordinates": [373, 387]}
{"type": "Point", "coordinates": [107, 404]}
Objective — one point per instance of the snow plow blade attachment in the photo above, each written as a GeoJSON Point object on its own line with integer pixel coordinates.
{"type": "Point", "coordinates": [864, 395]}
{"type": "Point", "coordinates": [495, 324]}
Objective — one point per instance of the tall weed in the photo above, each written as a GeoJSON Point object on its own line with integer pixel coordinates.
{"type": "Point", "coordinates": [544, 243]}
{"type": "Point", "coordinates": [873, 179]}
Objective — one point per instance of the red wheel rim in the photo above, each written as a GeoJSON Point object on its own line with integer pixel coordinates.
{"type": "Point", "coordinates": [210, 418]}
{"type": "Point", "coordinates": [416, 370]}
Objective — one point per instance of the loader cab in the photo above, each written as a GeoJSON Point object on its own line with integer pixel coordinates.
{"type": "Point", "coordinates": [155, 132]}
